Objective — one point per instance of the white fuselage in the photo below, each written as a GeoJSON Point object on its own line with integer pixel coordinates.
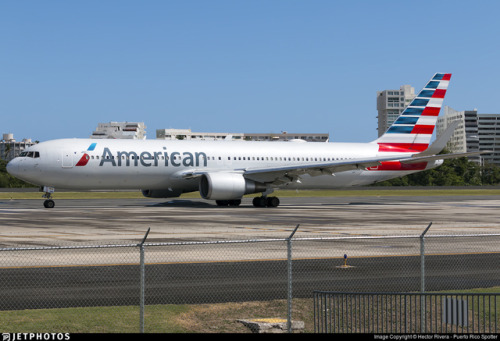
{"type": "Point", "coordinates": [160, 164]}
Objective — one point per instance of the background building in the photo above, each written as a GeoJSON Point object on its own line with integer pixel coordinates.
{"type": "Point", "coordinates": [10, 148]}
{"type": "Point", "coordinates": [187, 134]}
{"type": "Point", "coordinates": [458, 142]}
{"type": "Point", "coordinates": [475, 132]}
{"type": "Point", "coordinates": [390, 104]}
{"type": "Point", "coordinates": [285, 136]}
{"type": "Point", "coordinates": [120, 130]}
{"type": "Point", "coordinates": [488, 127]}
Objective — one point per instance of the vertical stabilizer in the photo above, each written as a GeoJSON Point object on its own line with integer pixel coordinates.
{"type": "Point", "coordinates": [413, 129]}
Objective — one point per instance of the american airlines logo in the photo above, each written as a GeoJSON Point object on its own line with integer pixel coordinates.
{"type": "Point", "coordinates": [147, 159]}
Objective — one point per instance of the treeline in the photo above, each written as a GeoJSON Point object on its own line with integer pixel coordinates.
{"type": "Point", "coordinates": [7, 180]}
{"type": "Point", "coordinates": [453, 172]}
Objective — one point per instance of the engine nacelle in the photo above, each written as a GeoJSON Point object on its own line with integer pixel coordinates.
{"type": "Point", "coordinates": [161, 193]}
{"type": "Point", "coordinates": [227, 186]}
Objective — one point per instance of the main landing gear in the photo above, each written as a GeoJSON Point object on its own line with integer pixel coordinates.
{"type": "Point", "coordinates": [49, 203]}
{"type": "Point", "coordinates": [257, 202]}
{"type": "Point", "coordinates": [266, 201]}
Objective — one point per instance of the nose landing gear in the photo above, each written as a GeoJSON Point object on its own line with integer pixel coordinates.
{"type": "Point", "coordinates": [49, 203]}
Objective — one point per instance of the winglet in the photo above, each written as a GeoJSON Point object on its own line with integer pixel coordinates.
{"type": "Point", "coordinates": [438, 145]}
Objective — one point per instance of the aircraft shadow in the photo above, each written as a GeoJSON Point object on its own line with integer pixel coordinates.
{"type": "Point", "coordinates": [181, 203]}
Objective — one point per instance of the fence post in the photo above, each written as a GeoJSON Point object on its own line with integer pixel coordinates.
{"type": "Point", "coordinates": [142, 281]}
{"type": "Point", "coordinates": [289, 257]}
{"type": "Point", "coordinates": [422, 259]}
{"type": "Point", "coordinates": [422, 278]}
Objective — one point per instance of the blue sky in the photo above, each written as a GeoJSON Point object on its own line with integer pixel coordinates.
{"type": "Point", "coordinates": [236, 66]}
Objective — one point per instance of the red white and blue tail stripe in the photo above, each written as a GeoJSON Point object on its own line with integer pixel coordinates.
{"type": "Point", "coordinates": [412, 131]}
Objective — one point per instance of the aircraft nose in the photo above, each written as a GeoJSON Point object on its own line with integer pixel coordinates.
{"type": "Point", "coordinates": [13, 167]}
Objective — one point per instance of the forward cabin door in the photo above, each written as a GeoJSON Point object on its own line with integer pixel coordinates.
{"type": "Point", "coordinates": [67, 159]}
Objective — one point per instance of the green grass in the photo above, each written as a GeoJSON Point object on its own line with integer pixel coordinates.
{"type": "Point", "coordinates": [215, 318]}
{"type": "Point", "coordinates": [432, 191]}
{"type": "Point", "coordinates": [160, 319]}
{"type": "Point", "coordinates": [204, 318]}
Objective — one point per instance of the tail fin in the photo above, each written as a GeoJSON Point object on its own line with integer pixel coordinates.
{"type": "Point", "coordinates": [413, 129]}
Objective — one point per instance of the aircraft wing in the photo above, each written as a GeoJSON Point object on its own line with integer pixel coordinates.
{"type": "Point", "coordinates": [291, 173]}
{"type": "Point", "coordinates": [281, 175]}
{"type": "Point", "coordinates": [419, 158]}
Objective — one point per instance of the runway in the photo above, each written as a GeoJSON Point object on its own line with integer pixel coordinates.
{"type": "Point", "coordinates": [26, 222]}
{"type": "Point", "coordinates": [226, 271]}
{"type": "Point", "coordinates": [204, 283]}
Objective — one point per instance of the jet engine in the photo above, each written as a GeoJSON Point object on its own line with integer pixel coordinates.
{"type": "Point", "coordinates": [227, 186]}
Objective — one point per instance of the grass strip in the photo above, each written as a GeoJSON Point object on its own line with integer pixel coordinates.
{"type": "Point", "coordinates": [203, 318]}
{"type": "Point", "coordinates": [279, 193]}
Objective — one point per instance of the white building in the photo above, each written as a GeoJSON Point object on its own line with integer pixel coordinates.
{"type": "Point", "coordinates": [120, 130]}
{"type": "Point", "coordinates": [475, 132]}
{"type": "Point", "coordinates": [187, 134]}
{"type": "Point", "coordinates": [10, 148]}
{"type": "Point", "coordinates": [286, 136]}
{"type": "Point", "coordinates": [390, 104]}
{"type": "Point", "coordinates": [458, 141]}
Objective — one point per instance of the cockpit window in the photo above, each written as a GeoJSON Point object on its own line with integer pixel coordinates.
{"type": "Point", "coordinates": [30, 154]}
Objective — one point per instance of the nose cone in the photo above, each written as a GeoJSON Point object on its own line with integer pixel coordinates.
{"type": "Point", "coordinates": [13, 167]}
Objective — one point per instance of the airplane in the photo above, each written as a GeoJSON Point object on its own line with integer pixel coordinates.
{"type": "Point", "coordinates": [225, 171]}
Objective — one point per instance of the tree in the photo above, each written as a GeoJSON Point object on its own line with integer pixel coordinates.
{"type": "Point", "coordinates": [453, 172]}
{"type": "Point", "coordinates": [7, 180]}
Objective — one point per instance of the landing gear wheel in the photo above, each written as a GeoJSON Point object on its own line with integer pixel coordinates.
{"type": "Point", "coordinates": [49, 203]}
{"type": "Point", "coordinates": [266, 201]}
{"type": "Point", "coordinates": [272, 202]}
{"type": "Point", "coordinates": [259, 202]}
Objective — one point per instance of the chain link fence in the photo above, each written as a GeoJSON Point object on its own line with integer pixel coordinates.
{"type": "Point", "coordinates": [284, 270]}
